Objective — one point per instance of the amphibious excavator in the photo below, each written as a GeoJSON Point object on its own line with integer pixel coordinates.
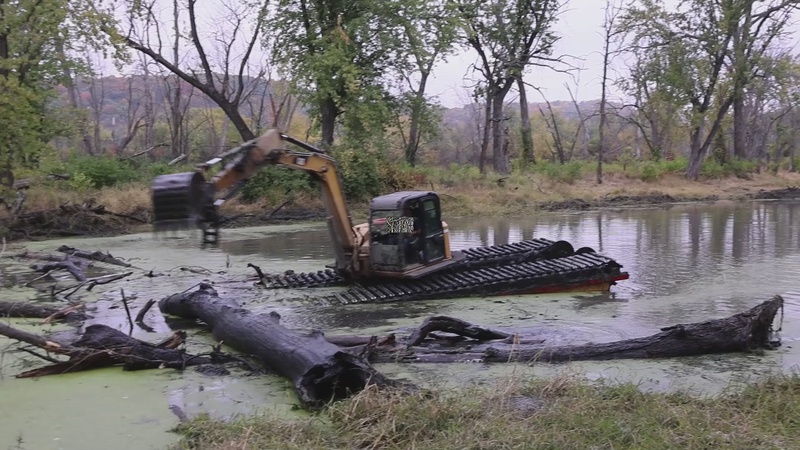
{"type": "Point", "coordinates": [403, 251]}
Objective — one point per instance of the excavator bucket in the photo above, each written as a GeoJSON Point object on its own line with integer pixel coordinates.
{"type": "Point", "coordinates": [179, 201]}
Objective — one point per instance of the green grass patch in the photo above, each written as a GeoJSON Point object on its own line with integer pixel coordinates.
{"type": "Point", "coordinates": [556, 414]}
{"type": "Point", "coordinates": [735, 167]}
{"type": "Point", "coordinates": [567, 173]}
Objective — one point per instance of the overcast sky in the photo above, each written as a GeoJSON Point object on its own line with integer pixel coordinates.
{"type": "Point", "coordinates": [580, 29]}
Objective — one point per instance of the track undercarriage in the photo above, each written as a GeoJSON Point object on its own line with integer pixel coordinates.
{"type": "Point", "coordinates": [527, 267]}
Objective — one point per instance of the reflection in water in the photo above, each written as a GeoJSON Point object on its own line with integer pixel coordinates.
{"type": "Point", "coordinates": [686, 263]}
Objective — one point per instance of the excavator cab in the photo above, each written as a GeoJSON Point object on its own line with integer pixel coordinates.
{"type": "Point", "coordinates": [406, 232]}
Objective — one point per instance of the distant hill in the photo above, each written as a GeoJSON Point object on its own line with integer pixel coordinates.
{"type": "Point", "coordinates": [118, 97]}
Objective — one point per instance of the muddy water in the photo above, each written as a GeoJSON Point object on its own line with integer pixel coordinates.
{"type": "Point", "coordinates": [687, 263]}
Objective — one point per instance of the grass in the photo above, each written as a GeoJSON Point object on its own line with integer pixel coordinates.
{"type": "Point", "coordinates": [563, 413]}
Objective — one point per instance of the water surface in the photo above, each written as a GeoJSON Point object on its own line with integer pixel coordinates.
{"type": "Point", "coordinates": [687, 263]}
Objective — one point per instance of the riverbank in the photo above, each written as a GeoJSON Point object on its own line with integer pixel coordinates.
{"type": "Point", "coordinates": [560, 413]}
{"type": "Point", "coordinates": [50, 211]}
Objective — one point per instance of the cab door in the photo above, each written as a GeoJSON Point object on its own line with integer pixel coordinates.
{"type": "Point", "coordinates": [433, 248]}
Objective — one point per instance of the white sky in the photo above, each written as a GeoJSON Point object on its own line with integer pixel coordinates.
{"type": "Point", "coordinates": [580, 29]}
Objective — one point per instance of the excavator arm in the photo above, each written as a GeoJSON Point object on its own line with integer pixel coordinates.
{"type": "Point", "coordinates": [188, 199]}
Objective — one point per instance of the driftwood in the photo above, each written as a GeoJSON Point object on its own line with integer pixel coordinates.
{"type": "Point", "coordinates": [94, 256]}
{"type": "Point", "coordinates": [743, 332]}
{"type": "Point", "coordinates": [455, 326]}
{"type": "Point", "coordinates": [67, 265]}
{"type": "Point", "coordinates": [319, 371]}
{"type": "Point", "coordinates": [39, 311]}
{"type": "Point", "coordinates": [103, 346]}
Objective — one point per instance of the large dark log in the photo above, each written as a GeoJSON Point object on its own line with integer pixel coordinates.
{"type": "Point", "coordinates": [320, 371]}
{"type": "Point", "coordinates": [743, 332]}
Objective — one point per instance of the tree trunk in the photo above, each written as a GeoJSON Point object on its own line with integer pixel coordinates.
{"type": "Point", "coordinates": [525, 128]}
{"type": "Point", "coordinates": [328, 113]}
{"type": "Point", "coordinates": [602, 144]}
{"type": "Point", "coordinates": [795, 141]}
{"type": "Point", "coordinates": [739, 126]}
{"type": "Point", "coordinates": [741, 69]}
{"type": "Point", "coordinates": [499, 149]}
{"type": "Point", "coordinates": [237, 120]}
{"type": "Point", "coordinates": [699, 146]}
{"type": "Point", "coordinates": [319, 371]}
{"type": "Point", "coordinates": [487, 122]}
{"type": "Point", "coordinates": [696, 154]}
{"type": "Point", "coordinates": [416, 116]}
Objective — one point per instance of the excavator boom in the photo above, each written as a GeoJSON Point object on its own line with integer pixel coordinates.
{"type": "Point", "coordinates": [186, 199]}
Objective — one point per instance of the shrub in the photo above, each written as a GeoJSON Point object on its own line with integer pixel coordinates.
{"type": "Point", "coordinates": [80, 182]}
{"type": "Point", "coordinates": [568, 172]}
{"type": "Point", "coordinates": [101, 171]}
{"type": "Point", "coordinates": [274, 184]}
{"type": "Point", "coordinates": [677, 165]}
{"type": "Point", "coordinates": [734, 167]}
{"type": "Point", "coordinates": [649, 171]}
{"type": "Point", "coordinates": [360, 170]}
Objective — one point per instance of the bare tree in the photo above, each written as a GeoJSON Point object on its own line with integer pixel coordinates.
{"type": "Point", "coordinates": [756, 29]}
{"type": "Point", "coordinates": [508, 36]}
{"type": "Point", "coordinates": [612, 12]}
{"type": "Point", "coordinates": [563, 148]}
{"type": "Point", "coordinates": [96, 88]}
{"type": "Point", "coordinates": [134, 118]}
{"type": "Point", "coordinates": [240, 28]}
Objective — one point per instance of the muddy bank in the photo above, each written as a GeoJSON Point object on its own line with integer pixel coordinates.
{"type": "Point", "coordinates": [287, 214]}
{"type": "Point", "coordinates": [623, 201]}
{"type": "Point", "coordinates": [91, 220]}
{"type": "Point", "coordinates": [87, 219]}
{"type": "Point", "coordinates": [789, 193]}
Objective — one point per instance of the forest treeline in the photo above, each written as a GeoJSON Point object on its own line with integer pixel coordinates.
{"type": "Point", "coordinates": [693, 80]}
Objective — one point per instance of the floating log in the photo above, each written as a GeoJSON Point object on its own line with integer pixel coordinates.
{"type": "Point", "coordinates": [103, 346]}
{"type": "Point", "coordinates": [743, 332]}
{"type": "Point", "coordinates": [319, 371]}
{"type": "Point", "coordinates": [96, 255]}
{"type": "Point", "coordinates": [39, 311]}
{"type": "Point", "coordinates": [63, 265]}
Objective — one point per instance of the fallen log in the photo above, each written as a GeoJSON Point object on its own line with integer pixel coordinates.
{"type": "Point", "coordinates": [743, 332]}
{"type": "Point", "coordinates": [39, 311]}
{"type": "Point", "coordinates": [63, 265]}
{"type": "Point", "coordinates": [319, 371]}
{"type": "Point", "coordinates": [96, 255]}
{"type": "Point", "coordinates": [103, 346]}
